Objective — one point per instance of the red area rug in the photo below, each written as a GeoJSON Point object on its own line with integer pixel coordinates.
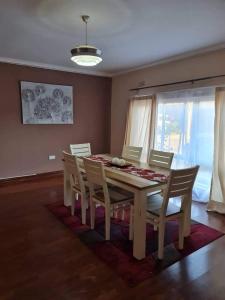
{"type": "Point", "coordinates": [117, 253]}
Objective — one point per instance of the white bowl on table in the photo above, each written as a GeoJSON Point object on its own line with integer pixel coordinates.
{"type": "Point", "coordinates": [119, 161]}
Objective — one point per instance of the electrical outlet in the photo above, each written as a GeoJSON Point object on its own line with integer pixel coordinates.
{"type": "Point", "coordinates": [51, 157]}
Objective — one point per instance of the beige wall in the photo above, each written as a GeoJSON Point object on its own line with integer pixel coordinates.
{"type": "Point", "coordinates": [193, 67]}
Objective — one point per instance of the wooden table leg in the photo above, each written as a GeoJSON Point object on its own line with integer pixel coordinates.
{"type": "Point", "coordinates": [139, 242]}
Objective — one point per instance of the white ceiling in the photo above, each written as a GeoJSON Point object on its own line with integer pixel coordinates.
{"type": "Point", "coordinates": [130, 33]}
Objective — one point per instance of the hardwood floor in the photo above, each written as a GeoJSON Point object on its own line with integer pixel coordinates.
{"type": "Point", "coordinates": [41, 259]}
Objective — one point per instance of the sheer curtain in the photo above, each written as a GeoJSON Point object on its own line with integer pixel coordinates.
{"type": "Point", "coordinates": [185, 126]}
{"type": "Point", "coordinates": [217, 197]}
{"type": "Point", "coordinates": [140, 120]}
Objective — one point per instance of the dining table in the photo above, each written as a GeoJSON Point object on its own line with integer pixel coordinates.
{"type": "Point", "coordinates": [140, 187]}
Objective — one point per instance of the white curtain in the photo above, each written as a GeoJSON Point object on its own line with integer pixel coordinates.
{"type": "Point", "coordinates": [217, 197]}
{"type": "Point", "coordinates": [185, 126]}
{"type": "Point", "coordinates": [140, 118]}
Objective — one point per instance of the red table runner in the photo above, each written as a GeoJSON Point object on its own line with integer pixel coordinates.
{"type": "Point", "coordinates": [131, 169]}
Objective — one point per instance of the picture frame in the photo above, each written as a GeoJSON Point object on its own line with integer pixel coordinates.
{"type": "Point", "coordinates": [44, 103]}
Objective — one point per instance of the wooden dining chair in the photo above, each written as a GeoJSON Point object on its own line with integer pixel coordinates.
{"type": "Point", "coordinates": [160, 159]}
{"type": "Point", "coordinates": [132, 153]}
{"type": "Point", "coordinates": [80, 150]}
{"type": "Point", "coordinates": [159, 209]}
{"type": "Point", "coordinates": [108, 196]}
{"type": "Point", "coordinates": [78, 183]}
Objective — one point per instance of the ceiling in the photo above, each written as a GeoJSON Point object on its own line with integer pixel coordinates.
{"type": "Point", "coordinates": [130, 33]}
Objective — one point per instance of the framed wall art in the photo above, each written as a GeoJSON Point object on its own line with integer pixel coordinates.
{"type": "Point", "coordinates": [46, 103]}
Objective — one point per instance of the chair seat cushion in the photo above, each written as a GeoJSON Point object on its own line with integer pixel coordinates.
{"type": "Point", "coordinates": [116, 195]}
{"type": "Point", "coordinates": [76, 187]}
{"type": "Point", "coordinates": [154, 204]}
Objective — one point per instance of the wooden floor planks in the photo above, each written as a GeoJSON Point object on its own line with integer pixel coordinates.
{"type": "Point", "coordinates": [41, 259]}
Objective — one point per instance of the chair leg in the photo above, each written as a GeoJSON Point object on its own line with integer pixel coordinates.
{"type": "Point", "coordinates": [92, 212]}
{"type": "Point", "coordinates": [115, 214]}
{"type": "Point", "coordinates": [73, 197]}
{"type": "Point", "coordinates": [83, 209]}
{"type": "Point", "coordinates": [131, 230]}
{"type": "Point", "coordinates": [155, 227]}
{"type": "Point", "coordinates": [72, 207]}
{"type": "Point", "coordinates": [181, 233]}
{"type": "Point", "coordinates": [123, 212]}
{"type": "Point", "coordinates": [107, 223]}
{"type": "Point", "coordinates": [112, 212]}
{"type": "Point", "coordinates": [87, 203]}
{"type": "Point", "coordinates": [161, 239]}
{"type": "Point", "coordinates": [187, 215]}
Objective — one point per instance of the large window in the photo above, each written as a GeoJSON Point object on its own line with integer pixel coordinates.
{"type": "Point", "coordinates": [185, 126]}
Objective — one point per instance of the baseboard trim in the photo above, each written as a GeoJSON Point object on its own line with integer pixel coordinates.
{"type": "Point", "coordinates": [33, 177]}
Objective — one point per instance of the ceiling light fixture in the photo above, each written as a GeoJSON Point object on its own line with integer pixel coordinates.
{"type": "Point", "coordinates": [86, 55]}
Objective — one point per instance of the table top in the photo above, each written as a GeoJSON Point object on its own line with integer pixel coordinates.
{"type": "Point", "coordinates": [132, 180]}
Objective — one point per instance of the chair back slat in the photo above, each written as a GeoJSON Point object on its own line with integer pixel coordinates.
{"type": "Point", "coordinates": [180, 184]}
{"type": "Point", "coordinates": [96, 176]}
{"type": "Point", "coordinates": [160, 159]}
{"type": "Point", "coordinates": [80, 149]}
{"type": "Point", "coordinates": [182, 181]}
{"type": "Point", "coordinates": [132, 153]}
{"type": "Point", "coordinates": [72, 168]}
{"type": "Point", "coordinates": [94, 170]}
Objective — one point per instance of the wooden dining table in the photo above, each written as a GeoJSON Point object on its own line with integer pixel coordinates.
{"type": "Point", "coordinates": [140, 187]}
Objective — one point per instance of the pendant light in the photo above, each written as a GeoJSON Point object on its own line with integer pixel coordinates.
{"type": "Point", "coordinates": [86, 55]}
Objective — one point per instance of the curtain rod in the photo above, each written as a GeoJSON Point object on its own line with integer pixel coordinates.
{"type": "Point", "coordinates": [176, 82]}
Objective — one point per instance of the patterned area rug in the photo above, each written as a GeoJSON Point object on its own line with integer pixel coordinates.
{"type": "Point", "coordinates": [117, 253]}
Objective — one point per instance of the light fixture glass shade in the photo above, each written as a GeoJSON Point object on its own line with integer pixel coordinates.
{"type": "Point", "coordinates": [86, 55]}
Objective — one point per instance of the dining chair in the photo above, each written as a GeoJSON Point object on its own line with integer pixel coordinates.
{"type": "Point", "coordinates": [109, 196]}
{"type": "Point", "coordinates": [160, 159]}
{"type": "Point", "coordinates": [132, 153]}
{"type": "Point", "coordinates": [159, 209]}
{"type": "Point", "coordinates": [78, 183]}
{"type": "Point", "coordinates": [80, 149]}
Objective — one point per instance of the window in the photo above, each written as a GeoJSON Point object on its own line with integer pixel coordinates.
{"type": "Point", "coordinates": [185, 126]}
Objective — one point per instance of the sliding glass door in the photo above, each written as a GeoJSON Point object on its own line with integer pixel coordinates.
{"type": "Point", "coordinates": [185, 126]}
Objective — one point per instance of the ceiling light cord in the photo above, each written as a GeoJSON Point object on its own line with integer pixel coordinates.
{"type": "Point", "coordinates": [86, 33]}
{"type": "Point", "coordinates": [85, 19]}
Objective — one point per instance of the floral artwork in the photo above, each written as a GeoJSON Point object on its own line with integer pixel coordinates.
{"type": "Point", "coordinates": [46, 103]}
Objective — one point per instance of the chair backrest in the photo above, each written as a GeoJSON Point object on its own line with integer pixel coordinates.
{"type": "Point", "coordinates": [96, 176]}
{"type": "Point", "coordinates": [80, 149]}
{"type": "Point", "coordinates": [73, 170]}
{"type": "Point", "coordinates": [180, 184]}
{"type": "Point", "coordinates": [132, 153]}
{"type": "Point", "coordinates": [160, 159]}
